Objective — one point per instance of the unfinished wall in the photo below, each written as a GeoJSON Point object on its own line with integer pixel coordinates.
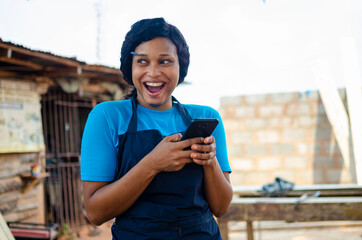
{"type": "Point", "coordinates": [284, 135]}
{"type": "Point", "coordinates": [21, 144]}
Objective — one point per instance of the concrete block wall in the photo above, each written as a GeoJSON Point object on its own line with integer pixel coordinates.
{"type": "Point", "coordinates": [284, 135]}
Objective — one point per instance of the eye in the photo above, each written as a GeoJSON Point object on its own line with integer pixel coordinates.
{"type": "Point", "coordinates": [142, 61]}
{"type": "Point", "coordinates": [166, 61]}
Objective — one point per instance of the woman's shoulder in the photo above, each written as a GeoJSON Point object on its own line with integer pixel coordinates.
{"type": "Point", "coordinates": [113, 107]}
{"type": "Point", "coordinates": [201, 111]}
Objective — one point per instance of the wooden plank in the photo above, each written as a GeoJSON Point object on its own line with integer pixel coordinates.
{"type": "Point", "coordinates": [317, 209]}
{"type": "Point", "coordinates": [335, 110]}
{"type": "Point", "coordinates": [354, 98]}
{"type": "Point", "coordinates": [298, 190]}
{"type": "Point", "coordinates": [5, 232]}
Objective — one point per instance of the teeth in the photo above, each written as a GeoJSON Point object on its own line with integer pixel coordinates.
{"type": "Point", "coordinates": [154, 84]}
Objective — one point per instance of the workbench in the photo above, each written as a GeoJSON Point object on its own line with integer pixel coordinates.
{"type": "Point", "coordinates": [334, 203]}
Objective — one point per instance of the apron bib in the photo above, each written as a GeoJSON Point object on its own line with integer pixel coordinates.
{"type": "Point", "coordinates": [173, 205]}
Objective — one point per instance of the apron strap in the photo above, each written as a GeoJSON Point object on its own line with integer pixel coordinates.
{"type": "Point", "coordinates": [132, 126]}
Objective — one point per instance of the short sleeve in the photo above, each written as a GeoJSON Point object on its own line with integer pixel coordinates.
{"type": "Point", "coordinates": [221, 146]}
{"type": "Point", "coordinates": [98, 151]}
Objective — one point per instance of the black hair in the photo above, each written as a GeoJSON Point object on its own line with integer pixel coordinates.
{"type": "Point", "coordinates": [146, 30]}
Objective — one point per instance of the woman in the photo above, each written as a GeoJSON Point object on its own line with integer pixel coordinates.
{"type": "Point", "coordinates": [133, 165]}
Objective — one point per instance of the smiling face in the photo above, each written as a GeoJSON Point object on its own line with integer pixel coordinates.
{"type": "Point", "coordinates": [155, 73]}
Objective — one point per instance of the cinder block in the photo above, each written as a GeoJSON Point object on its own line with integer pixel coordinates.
{"type": "Point", "coordinates": [269, 163]}
{"type": "Point", "coordinates": [237, 178]}
{"type": "Point", "coordinates": [308, 148]}
{"type": "Point", "coordinates": [321, 134]}
{"type": "Point", "coordinates": [292, 135]}
{"type": "Point", "coordinates": [235, 151]}
{"type": "Point", "coordinates": [241, 137]}
{"type": "Point", "coordinates": [311, 176]}
{"type": "Point", "coordinates": [256, 150]}
{"type": "Point", "coordinates": [307, 121]}
{"type": "Point", "coordinates": [283, 97]}
{"type": "Point", "coordinates": [339, 176]}
{"type": "Point", "coordinates": [280, 122]}
{"type": "Point", "coordinates": [296, 162]}
{"type": "Point", "coordinates": [245, 111]}
{"type": "Point", "coordinates": [255, 99]}
{"type": "Point", "coordinates": [323, 162]}
{"type": "Point", "coordinates": [270, 111]}
{"type": "Point", "coordinates": [268, 136]}
{"type": "Point", "coordinates": [282, 149]}
{"type": "Point", "coordinates": [242, 164]}
{"type": "Point", "coordinates": [258, 178]}
{"type": "Point", "coordinates": [255, 123]}
{"type": "Point", "coordinates": [231, 101]}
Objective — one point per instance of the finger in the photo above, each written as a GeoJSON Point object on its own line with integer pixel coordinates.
{"type": "Point", "coordinates": [203, 148]}
{"type": "Point", "coordinates": [209, 140]}
{"type": "Point", "coordinates": [189, 142]}
{"type": "Point", "coordinates": [202, 156]}
{"type": "Point", "coordinates": [202, 162]}
{"type": "Point", "coordinates": [173, 138]}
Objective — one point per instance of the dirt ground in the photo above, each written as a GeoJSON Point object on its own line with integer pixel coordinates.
{"type": "Point", "coordinates": [262, 231]}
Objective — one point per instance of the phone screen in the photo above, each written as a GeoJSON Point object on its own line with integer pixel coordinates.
{"type": "Point", "coordinates": [200, 127]}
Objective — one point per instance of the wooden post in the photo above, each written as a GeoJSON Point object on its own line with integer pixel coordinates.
{"type": "Point", "coordinates": [249, 230]}
{"type": "Point", "coordinates": [354, 98]}
{"type": "Point", "coordinates": [335, 110]}
{"type": "Point", "coordinates": [224, 230]}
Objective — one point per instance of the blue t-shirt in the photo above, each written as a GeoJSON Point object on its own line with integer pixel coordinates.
{"type": "Point", "coordinates": [110, 119]}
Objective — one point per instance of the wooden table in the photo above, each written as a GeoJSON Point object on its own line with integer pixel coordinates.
{"type": "Point", "coordinates": [335, 203]}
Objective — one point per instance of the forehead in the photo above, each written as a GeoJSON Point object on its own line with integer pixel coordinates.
{"type": "Point", "coordinates": [158, 44]}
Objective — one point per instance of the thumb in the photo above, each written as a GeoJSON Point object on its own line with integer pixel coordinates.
{"type": "Point", "coordinates": [174, 137]}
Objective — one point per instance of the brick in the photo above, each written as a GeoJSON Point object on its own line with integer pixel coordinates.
{"type": "Point", "coordinates": [268, 136]}
{"type": "Point", "coordinates": [255, 99]}
{"type": "Point", "coordinates": [282, 149]}
{"type": "Point", "coordinates": [296, 162]}
{"type": "Point", "coordinates": [242, 164]}
{"type": "Point", "coordinates": [269, 163]}
{"type": "Point", "coordinates": [245, 112]}
{"type": "Point", "coordinates": [242, 137]}
{"type": "Point", "coordinates": [291, 135]}
{"type": "Point", "coordinates": [231, 101]}
{"type": "Point", "coordinates": [283, 97]}
{"type": "Point", "coordinates": [323, 162]}
{"type": "Point", "coordinates": [269, 111]}
{"type": "Point", "coordinates": [256, 150]}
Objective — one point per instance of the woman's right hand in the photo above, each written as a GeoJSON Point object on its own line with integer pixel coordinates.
{"type": "Point", "coordinates": [169, 155]}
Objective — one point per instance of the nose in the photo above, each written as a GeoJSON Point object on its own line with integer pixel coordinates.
{"type": "Point", "coordinates": [153, 71]}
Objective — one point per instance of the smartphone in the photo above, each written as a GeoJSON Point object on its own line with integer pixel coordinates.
{"type": "Point", "coordinates": [200, 127]}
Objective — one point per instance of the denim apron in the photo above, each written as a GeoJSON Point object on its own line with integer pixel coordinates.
{"type": "Point", "coordinates": [173, 206]}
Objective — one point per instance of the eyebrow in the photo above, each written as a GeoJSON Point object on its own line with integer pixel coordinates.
{"type": "Point", "coordinates": [144, 54]}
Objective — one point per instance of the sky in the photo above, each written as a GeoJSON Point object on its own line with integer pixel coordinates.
{"type": "Point", "coordinates": [237, 47]}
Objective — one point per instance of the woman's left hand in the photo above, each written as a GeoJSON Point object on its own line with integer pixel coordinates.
{"type": "Point", "coordinates": [204, 154]}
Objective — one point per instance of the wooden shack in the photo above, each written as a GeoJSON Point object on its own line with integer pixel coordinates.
{"type": "Point", "coordinates": [44, 102]}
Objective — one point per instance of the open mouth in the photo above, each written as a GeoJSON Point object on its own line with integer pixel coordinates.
{"type": "Point", "coordinates": [154, 87]}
